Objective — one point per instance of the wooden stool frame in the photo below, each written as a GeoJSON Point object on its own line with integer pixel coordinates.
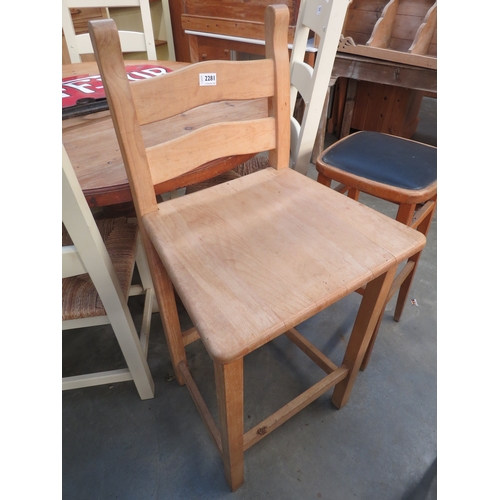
{"type": "Point", "coordinates": [233, 317]}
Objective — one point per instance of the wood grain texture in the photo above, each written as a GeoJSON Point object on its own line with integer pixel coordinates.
{"type": "Point", "coordinates": [94, 151]}
{"type": "Point", "coordinates": [252, 257]}
{"type": "Point", "coordinates": [231, 27]}
{"type": "Point", "coordinates": [222, 139]}
{"type": "Point", "coordinates": [149, 95]}
{"type": "Point", "coordinates": [229, 385]}
{"type": "Point", "coordinates": [121, 105]}
{"type": "Point", "coordinates": [279, 106]}
{"type": "Point", "coordinates": [402, 31]}
{"type": "Point", "coordinates": [236, 9]}
{"type": "Point", "coordinates": [236, 250]}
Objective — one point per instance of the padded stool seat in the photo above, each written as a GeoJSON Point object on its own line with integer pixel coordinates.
{"type": "Point", "coordinates": [386, 159]}
{"type": "Point", "coordinates": [396, 169]}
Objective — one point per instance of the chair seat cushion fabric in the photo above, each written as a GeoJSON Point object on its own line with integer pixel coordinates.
{"type": "Point", "coordinates": [386, 159]}
{"type": "Point", "coordinates": [79, 296]}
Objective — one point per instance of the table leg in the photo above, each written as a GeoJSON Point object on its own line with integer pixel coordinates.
{"type": "Point", "coordinates": [193, 48]}
{"type": "Point", "coordinates": [352, 88]}
{"type": "Point", "coordinates": [319, 144]}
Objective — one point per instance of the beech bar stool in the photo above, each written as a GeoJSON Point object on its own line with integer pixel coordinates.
{"type": "Point", "coordinates": [394, 169]}
{"type": "Point", "coordinates": [253, 257]}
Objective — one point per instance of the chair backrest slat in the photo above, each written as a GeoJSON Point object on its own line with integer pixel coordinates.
{"type": "Point", "coordinates": [221, 81]}
{"type": "Point", "coordinates": [168, 96]}
{"type": "Point", "coordinates": [235, 137]}
{"type": "Point", "coordinates": [72, 265]}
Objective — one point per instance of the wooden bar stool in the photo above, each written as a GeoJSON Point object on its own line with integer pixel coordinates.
{"type": "Point", "coordinates": [253, 257]}
{"type": "Point", "coordinates": [394, 169]}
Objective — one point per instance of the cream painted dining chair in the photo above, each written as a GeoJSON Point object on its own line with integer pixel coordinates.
{"type": "Point", "coordinates": [98, 259]}
{"type": "Point", "coordinates": [253, 257]}
{"type": "Point", "coordinates": [322, 20]}
{"type": "Point", "coordinates": [131, 41]}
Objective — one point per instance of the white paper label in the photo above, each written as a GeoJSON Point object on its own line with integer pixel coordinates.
{"type": "Point", "coordinates": [208, 79]}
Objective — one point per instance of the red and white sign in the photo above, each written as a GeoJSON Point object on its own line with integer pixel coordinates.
{"type": "Point", "coordinates": [86, 86]}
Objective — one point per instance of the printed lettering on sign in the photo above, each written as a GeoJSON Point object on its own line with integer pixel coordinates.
{"type": "Point", "coordinates": [90, 86]}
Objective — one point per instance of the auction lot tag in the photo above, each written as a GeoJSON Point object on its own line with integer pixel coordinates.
{"type": "Point", "coordinates": [208, 79]}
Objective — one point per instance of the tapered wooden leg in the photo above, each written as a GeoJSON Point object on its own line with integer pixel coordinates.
{"type": "Point", "coordinates": [369, 349]}
{"type": "Point", "coordinates": [405, 215]}
{"type": "Point", "coordinates": [405, 288]}
{"type": "Point", "coordinates": [374, 299]}
{"type": "Point", "coordinates": [229, 386]}
{"type": "Point", "coordinates": [323, 179]}
{"type": "Point", "coordinates": [353, 193]}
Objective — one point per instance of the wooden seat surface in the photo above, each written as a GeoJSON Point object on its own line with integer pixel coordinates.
{"type": "Point", "coordinates": [266, 279]}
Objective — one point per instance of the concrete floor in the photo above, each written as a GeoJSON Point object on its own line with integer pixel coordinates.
{"type": "Point", "coordinates": [381, 445]}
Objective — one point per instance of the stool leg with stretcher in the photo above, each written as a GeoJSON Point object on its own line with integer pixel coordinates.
{"type": "Point", "coordinates": [238, 253]}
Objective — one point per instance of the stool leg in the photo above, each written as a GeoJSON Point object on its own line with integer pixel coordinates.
{"type": "Point", "coordinates": [374, 299]}
{"type": "Point", "coordinates": [405, 215]}
{"type": "Point", "coordinates": [323, 179]}
{"type": "Point", "coordinates": [353, 193]}
{"type": "Point", "coordinates": [165, 297]}
{"type": "Point", "coordinates": [229, 387]}
{"type": "Point", "coordinates": [369, 350]}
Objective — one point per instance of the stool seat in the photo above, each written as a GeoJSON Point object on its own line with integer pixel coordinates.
{"type": "Point", "coordinates": [385, 158]}
{"type": "Point", "coordinates": [391, 167]}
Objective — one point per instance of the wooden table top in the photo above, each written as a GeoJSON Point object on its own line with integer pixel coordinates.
{"type": "Point", "coordinates": [92, 147]}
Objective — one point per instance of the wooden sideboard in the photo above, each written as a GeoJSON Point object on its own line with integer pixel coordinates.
{"type": "Point", "coordinates": [231, 18]}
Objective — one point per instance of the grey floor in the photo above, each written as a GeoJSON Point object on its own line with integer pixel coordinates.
{"type": "Point", "coordinates": [381, 445]}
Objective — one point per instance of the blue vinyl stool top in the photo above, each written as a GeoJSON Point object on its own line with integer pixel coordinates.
{"type": "Point", "coordinates": [386, 159]}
